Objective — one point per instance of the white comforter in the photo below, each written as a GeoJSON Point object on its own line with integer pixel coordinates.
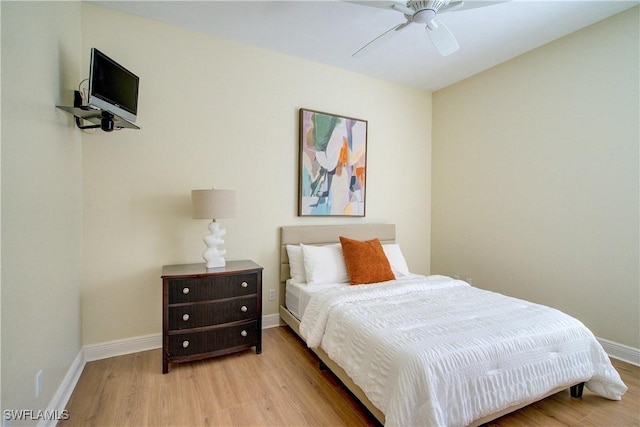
{"type": "Point", "coordinates": [433, 351]}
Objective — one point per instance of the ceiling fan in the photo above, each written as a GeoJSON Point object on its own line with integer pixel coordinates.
{"type": "Point", "coordinates": [422, 12]}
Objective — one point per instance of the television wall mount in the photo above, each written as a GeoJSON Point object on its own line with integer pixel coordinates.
{"type": "Point", "coordinates": [102, 119]}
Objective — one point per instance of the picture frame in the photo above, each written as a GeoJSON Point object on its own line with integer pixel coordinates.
{"type": "Point", "coordinates": [332, 165]}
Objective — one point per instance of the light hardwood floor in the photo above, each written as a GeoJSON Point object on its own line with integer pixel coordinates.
{"type": "Point", "coordinates": [280, 387]}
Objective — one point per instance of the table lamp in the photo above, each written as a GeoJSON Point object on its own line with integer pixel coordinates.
{"type": "Point", "coordinates": [214, 204]}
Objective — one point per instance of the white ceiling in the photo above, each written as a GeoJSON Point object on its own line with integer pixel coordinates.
{"type": "Point", "coordinates": [330, 32]}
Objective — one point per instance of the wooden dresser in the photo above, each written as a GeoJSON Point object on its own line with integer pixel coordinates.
{"type": "Point", "coordinates": [210, 312]}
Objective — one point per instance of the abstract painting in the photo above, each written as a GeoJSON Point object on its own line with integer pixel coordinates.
{"type": "Point", "coordinates": [333, 165]}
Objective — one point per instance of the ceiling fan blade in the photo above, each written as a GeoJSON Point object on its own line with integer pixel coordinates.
{"type": "Point", "coordinates": [458, 5]}
{"type": "Point", "coordinates": [453, 5]}
{"type": "Point", "coordinates": [442, 38]}
{"type": "Point", "coordinates": [398, 6]}
{"type": "Point", "coordinates": [381, 39]}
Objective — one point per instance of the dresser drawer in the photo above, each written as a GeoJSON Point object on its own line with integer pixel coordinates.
{"type": "Point", "coordinates": [212, 313]}
{"type": "Point", "coordinates": [211, 288]}
{"type": "Point", "coordinates": [185, 344]}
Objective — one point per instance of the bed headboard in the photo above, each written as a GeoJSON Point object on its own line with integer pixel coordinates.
{"type": "Point", "coordinates": [327, 234]}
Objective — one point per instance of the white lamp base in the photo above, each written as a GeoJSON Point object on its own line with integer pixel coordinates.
{"type": "Point", "coordinates": [214, 255]}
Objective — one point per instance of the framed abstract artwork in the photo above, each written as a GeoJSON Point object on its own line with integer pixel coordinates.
{"type": "Point", "coordinates": [333, 165]}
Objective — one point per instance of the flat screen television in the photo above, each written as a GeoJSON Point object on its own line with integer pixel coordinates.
{"type": "Point", "coordinates": [112, 87]}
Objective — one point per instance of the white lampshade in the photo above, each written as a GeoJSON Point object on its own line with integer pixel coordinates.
{"type": "Point", "coordinates": [213, 204]}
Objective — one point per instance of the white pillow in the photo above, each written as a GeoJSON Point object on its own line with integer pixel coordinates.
{"type": "Point", "coordinates": [396, 259]}
{"type": "Point", "coordinates": [296, 264]}
{"type": "Point", "coordinates": [324, 264]}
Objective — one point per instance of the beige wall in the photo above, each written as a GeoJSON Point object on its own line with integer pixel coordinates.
{"type": "Point", "coordinates": [41, 200]}
{"type": "Point", "coordinates": [536, 177]}
{"type": "Point", "coordinates": [217, 113]}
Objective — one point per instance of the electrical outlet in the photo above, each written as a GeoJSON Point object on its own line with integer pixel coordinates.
{"type": "Point", "coordinates": [39, 383]}
{"type": "Point", "coordinates": [272, 294]}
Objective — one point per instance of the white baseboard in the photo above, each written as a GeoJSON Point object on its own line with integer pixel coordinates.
{"type": "Point", "coordinates": [271, 321]}
{"type": "Point", "coordinates": [120, 347]}
{"type": "Point", "coordinates": [146, 342]}
{"type": "Point", "coordinates": [63, 394]}
{"type": "Point", "coordinates": [620, 351]}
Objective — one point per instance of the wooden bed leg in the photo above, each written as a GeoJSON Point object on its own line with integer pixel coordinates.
{"type": "Point", "coordinates": [576, 390]}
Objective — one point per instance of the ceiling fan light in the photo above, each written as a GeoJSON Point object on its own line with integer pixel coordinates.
{"type": "Point", "coordinates": [424, 16]}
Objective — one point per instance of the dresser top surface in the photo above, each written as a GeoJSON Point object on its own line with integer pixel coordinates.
{"type": "Point", "coordinates": [200, 269]}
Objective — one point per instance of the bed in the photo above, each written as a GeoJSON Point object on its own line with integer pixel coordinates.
{"type": "Point", "coordinates": [429, 350]}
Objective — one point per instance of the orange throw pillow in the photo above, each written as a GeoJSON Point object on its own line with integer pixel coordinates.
{"type": "Point", "coordinates": [366, 261]}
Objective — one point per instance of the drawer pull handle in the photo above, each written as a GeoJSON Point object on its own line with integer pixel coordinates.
{"type": "Point", "coordinates": [243, 309]}
{"type": "Point", "coordinates": [185, 344]}
{"type": "Point", "coordinates": [244, 284]}
{"type": "Point", "coordinates": [185, 291]}
{"type": "Point", "coordinates": [243, 333]}
{"type": "Point", "coordinates": [185, 317]}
